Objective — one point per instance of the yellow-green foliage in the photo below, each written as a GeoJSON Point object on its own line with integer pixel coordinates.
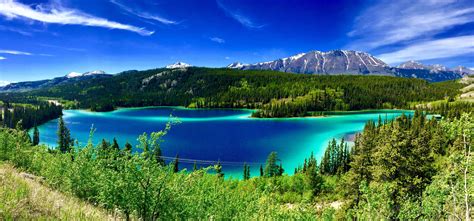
{"type": "Point", "coordinates": [23, 198]}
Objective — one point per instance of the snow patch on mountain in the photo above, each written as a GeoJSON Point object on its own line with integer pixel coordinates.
{"type": "Point", "coordinates": [178, 65]}
{"type": "Point", "coordinates": [89, 73]}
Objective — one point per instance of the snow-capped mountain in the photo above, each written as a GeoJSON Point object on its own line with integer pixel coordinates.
{"type": "Point", "coordinates": [412, 65]}
{"type": "Point", "coordinates": [178, 65]}
{"type": "Point", "coordinates": [71, 77]}
{"type": "Point", "coordinates": [317, 62]}
{"type": "Point", "coordinates": [435, 68]}
{"type": "Point", "coordinates": [236, 65]}
{"type": "Point", "coordinates": [354, 62]}
{"type": "Point", "coordinates": [89, 73]}
{"type": "Point", "coordinates": [464, 71]}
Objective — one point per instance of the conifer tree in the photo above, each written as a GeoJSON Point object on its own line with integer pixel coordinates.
{"type": "Point", "coordinates": [271, 167]}
{"type": "Point", "coordinates": [195, 166]}
{"type": "Point", "coordinates": [280, 170]}
{"type": "Point", "coordinates": [176, 164]}
{"type": "Point", "coordinates": [64, 136]}
{"type": "Point", "coordinates": [158, 156]}
{"type": "Point", "coordinates": [246, 171]}
{"type": "Point", "coordinates": [128, 147]}
{"type": "Point", "coordinates": [36, 138]}
{"type": "Point", "coordinates": [115, 145]}
{"type": "Point", "coordinates": [261, 171]}
{"type": "Point", "coordinates": [219, 172]}
{"type": "Point", "coordinates": [104, 145]}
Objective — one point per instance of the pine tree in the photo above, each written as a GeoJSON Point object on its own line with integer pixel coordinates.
{"type": "Point", "coordinates": [104, 145]}
{"type": "Point", "coordinates": [314, 178]}
{"type": "Point", "coordinates": [246, 171]}
{"type": "Point", "coordinates": [219, 172]}
{"type": "Point", "coordinates": [261, 171]}
{"type": "Point", "coordinates": [176, 164]}
{"type": "Point", "coordinates": [36, 138]}
{"type": "Point", "coordinates": [115, 145]}
{"type": "Point", "coordinates": [271, 167]}
{"type": "Point", "coordinates": [280, 170]}
{"type": "Point", "coordinates": [128, 147]}
{"type": "Point", "coordinates": [195, 166]}
{"type": "Point", "coordinates": [6, 116]}
{"type": "Point", "coordinates": [64, 136]}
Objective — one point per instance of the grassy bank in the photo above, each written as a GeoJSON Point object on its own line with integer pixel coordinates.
{"type": "Point", "coordinates": [23, 197]}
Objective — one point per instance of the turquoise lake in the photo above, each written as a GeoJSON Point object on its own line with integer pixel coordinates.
{"type": "Point", "coordinates": [218, 134]}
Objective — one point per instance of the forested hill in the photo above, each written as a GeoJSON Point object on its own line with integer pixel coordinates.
{"type": "Point", "coordinates": [276, 94]}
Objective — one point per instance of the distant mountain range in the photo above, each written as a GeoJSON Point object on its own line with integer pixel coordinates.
{"type": "Point", "coordinates": [71, 77]}
{"type": "Point", "coordinates": [354, 62]}
{"type": "Point", "coordinates": [314, 62]}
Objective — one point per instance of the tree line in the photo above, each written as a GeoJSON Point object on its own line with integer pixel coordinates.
{"type": "Point", "coordinates": [28, 115]}
{"type": "Point", "coordinates": [276, 94]}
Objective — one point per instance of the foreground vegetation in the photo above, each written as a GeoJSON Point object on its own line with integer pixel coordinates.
{"type": "Point", "coordinates": [276, 94]}
{"type": "Point", "coordinates": [410, 168]}
{"type": "Point", "coordinates": [23, 197]}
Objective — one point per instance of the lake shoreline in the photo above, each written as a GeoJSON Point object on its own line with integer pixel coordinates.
{"type": "Point", "coordinates": [325, 113]}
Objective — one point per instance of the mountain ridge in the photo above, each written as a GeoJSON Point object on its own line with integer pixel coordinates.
{"type": "Point", "coordinates": [71, 77]}
{"type": "Point", "coordinates": [354, 62]}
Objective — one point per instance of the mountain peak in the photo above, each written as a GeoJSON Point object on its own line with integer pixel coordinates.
{"type": "Point", "coordinates": [236, 65]}
{"type": "Point", "coordinates": [317, 62]}
{"type": "Point", "coordinates": [178, 65]}
{"type": "Point", "coordinates": [73, 74]}
{"type": "Point", "coordinates": [464, 71]}
{"type": "Point", "coordinates": [411, 64]}
{"type": "Point", "coordinates": [89, 73]}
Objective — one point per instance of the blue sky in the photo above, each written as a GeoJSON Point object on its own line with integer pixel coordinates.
{"type": "Point", "coordinates": [45, 39]}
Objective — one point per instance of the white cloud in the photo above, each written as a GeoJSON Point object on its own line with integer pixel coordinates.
{"type": "Point", "coordinates": [218, 40]}
{"type": "Point", "coordinates": [144, 14]}
{"type": "Point", "coordinates": [14, 52]}
{"type": "Point", "coordinates": [57, 14]}
{"type": "Point", "coordinates": [4, 83]}
{"type": "Point", "coordinates": [441, 48]}
{"type": "Point", "coordinates": [390, 22]}
{"type": "Point", "coordinates": [238, 16]}
{"type": "Point", "coordinates": [2, 58]}
{"type": "Point", "coordinates": [227, 58]}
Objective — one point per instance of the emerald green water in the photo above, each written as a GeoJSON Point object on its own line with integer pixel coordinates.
{"type": "Point", "coordinates": [217, 134]}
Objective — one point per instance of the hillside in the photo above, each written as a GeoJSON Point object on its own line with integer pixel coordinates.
{"type": "Point", "coordinates": [69, 78]}
{"type": "Point", "coordinates": [229, 88]}
{"type": "Point", "coordinates": [24, 197]}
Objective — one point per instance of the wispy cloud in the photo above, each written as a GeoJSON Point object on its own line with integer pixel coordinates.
{"type": "Point", "coordinates": [16, 30]}
{"type": "Point", "coordinates": [56, 14]}
{"type": "Point", "coordinates": [218, 40]}
{"type": "Point", "coordinates": [2, 58]}
{"type": "Point", "coordinates": [144, 15]}
{"type": "Point", "coordinates": [14, 52]}
{"type": "Point", "coordinates": [239, 17]}
{"type": "Point", "coordinates": [391, 22]}
{"type": "Point", "coordinates": [442, 48]}
{"type": "Point", "coordinates": [63, 48]}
